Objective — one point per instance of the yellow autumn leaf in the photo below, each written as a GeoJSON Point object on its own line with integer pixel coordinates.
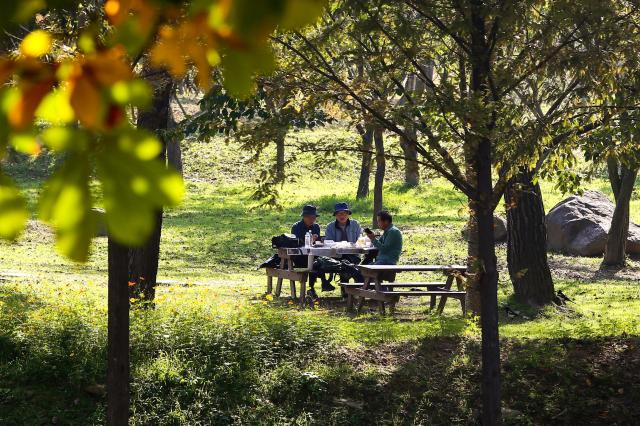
{"type": "Point", "coordinates": [37, 43]}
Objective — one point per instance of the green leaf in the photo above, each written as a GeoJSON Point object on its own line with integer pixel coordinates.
{"type": "Point", "coordinates": [55, 108]}
{"type": "Point", "coordinates": [25, 143]}
{"type": "Point", "coordinates": [134, 187]}
{"type": "Point", "coordinates": [65, 204]}
{"type": "Point", "coordinates": [13, 210]}
{"type": "Point", "coordinates": [62, 139]}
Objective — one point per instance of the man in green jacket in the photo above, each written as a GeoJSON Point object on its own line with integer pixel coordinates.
{"type": "Point", "coordinates": [390, 244]}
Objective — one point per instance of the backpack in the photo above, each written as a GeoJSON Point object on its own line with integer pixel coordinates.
{"type": "Point", "coordinates": [285, 241]}
{"type": "Point", "coordinates": [272, 262]}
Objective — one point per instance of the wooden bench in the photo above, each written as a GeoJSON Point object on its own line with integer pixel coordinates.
{"type": "Point", "coordinates": [290, 273]}
{"type": "Point", "coordinates": [378, 273]}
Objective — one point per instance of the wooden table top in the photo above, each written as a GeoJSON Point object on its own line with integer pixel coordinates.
{"type": "Point", "coordinates": [412, 268]}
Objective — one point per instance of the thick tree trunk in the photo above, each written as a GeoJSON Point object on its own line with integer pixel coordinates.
{"type": "Point", "coordinates": [143, 261]}
{"type": "Point", "coordinates": [527, 241]}
{"type": "Point", "coordinates": [118, 336]}
{"type": "Point", "coordinates": [623, 180]}
{"type": "Point", "coordinates": [365, 166]}
{"type": "Point", "coordinates": [380, 171]}
{"type": "Point", "coordinates": [411, 166]}
{"type": "Point", "coordinates": [483, 207]}
{"type": "Point", "coordinates": [174, 151]}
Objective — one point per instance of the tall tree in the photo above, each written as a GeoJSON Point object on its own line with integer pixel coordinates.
{"type": "Point", "coordinates": [143, 260]}
{"type": "Point", "coordinates": [366, 133]}
{"type": "Point", "coordinates": [378, 192]}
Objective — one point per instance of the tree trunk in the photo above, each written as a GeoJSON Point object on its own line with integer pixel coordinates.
{"type": "Point", "coordinates": [118, 336]}
{"type": "Point", "coordinates": [280, 160]}
{"type": "Point", "coordinates": [174, 151]}
{"type": "Point", "coordinates": [483, 207]}
{"type": "Point", "coordinates": [143, 261]}
{"type": "Point", "coordinates": [380, 171]}
{"type": "Point", "coordinates": [365, 166]}
{"type": "Point", "coordinates": [623, 180]}
{"type": "Point", "coordinates": [411, 166]}
{"type": "Point", "coordinates": [527, 241]}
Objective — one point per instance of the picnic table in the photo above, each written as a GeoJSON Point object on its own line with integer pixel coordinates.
{"type": "Point", "coordinates": [301, 275]}
{"type": "Point", "coordinates": [386, 293]}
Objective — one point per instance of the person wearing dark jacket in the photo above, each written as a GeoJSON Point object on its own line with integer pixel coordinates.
{"type": "Point", "coordinates": [306, 224]}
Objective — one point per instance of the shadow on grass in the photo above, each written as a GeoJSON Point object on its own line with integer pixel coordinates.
{"type": "Point", "coordinates": [437, 381]}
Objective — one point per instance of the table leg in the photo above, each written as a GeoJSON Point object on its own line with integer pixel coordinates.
{"type": "Point", "coordinates": [269, 284]}
{"type": "Point", "coordinates": [443, 299]}
{"type": "Point", "coordinates": [293, 289]}
{"type": "Point", "coordinates": [310, 259]}
{"type": "Point", "coordinates": [303, 290]}
{"type": "Point", "coordinates": [380, 302]}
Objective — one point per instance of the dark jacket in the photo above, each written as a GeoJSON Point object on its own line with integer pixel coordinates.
{"type": "Point", "coordinates": [300, 229]}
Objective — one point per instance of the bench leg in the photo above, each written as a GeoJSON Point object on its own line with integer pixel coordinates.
{"type": "Point", "coordinates": [278, 287]}
{"type": "Point", "coordinates": [443, 299]}
{"type": "Point", "coordinates": [292, 283]}
{"type": "Point", "coordinates": [269, 284]}
{"type": "Point", "coordinates": [432, 303]}
{"type": "Point", "coordinates": [381, 307]}
{"type": "Point", "coordinates": [367, 280]}
{"type": "Point", "coordinates": [463, 304]}
{"type": "Point", "coordinates": [349, 302]}
{"type": "Point", "coordinates": [303, 291]}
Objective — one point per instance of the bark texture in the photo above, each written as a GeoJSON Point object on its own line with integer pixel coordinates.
{"type": "Point", "coordinates": [117, 336]}
{"type": "Point", "coordinates": [378, 137]}
{"type": "Point", "coordinates": [622, 179]}
{"type": "Point", "coordinates": [527, 241]}
{"type": "Point", "coordinates": [365, 166]}
{"type": "Point", "coordinates": [174, 150]}
{"type": "Point", "coordinates": [280, 158]}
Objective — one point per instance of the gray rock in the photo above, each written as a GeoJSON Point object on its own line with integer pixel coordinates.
{"type": "Point", "coordinates": [579, 225]}
{"type": "Point", "coordinates": [499, 229]}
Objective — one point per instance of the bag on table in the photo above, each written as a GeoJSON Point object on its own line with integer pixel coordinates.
{"type": "Point", "coordinates": [285, 241]}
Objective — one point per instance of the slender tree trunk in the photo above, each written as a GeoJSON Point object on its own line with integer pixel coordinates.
{"type": "Point", "coordinates": [527, 241]}
{"type": "Point", "coordinates": [143, 261]}
{"type": "Point", "coordinates": [118, 336]}
{"type": "Point", "coordinates": [488, 273]}
{"type": "Point", "coordinates": [174, 151]}
{"type": "Point", "coordinates": [280, 159]}
{"type": "Point", "coordinates": [623, 180]}
{"type": "Point", "coordinates": [411, 166]}
{"type": "Point", "coordinates": [380, 171]}
{"type": "Point", "coordinates": [365, 166]}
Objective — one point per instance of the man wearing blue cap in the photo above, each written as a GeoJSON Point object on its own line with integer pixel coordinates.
{"type": "Point", "coordinates": [343, 228]}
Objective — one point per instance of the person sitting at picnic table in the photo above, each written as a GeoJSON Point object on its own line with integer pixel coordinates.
{"type": "Point", "coordinates": [343, 228]}
{"type": "Point", "coordinates": [300, 230]}
{"type": "Point", "coordinates": [389, 245]}
{"type": "Point", "coordinates": [307, 223]}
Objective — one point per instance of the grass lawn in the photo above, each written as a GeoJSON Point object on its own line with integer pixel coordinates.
{"type": "Point", "coordinates": [215, 351]}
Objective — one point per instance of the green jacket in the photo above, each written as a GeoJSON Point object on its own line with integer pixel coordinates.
{"type": "Point", "coordinates": [389, 246]}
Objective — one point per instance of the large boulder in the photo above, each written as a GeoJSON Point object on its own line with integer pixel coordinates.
{"type": "Point", "coordinates": [579, 225]}
{"type": "Point", "coordinates": [499, 229]}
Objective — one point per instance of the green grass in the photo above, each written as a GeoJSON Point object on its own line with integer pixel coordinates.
{"type": "Point", "coordinates": [214, 351]}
